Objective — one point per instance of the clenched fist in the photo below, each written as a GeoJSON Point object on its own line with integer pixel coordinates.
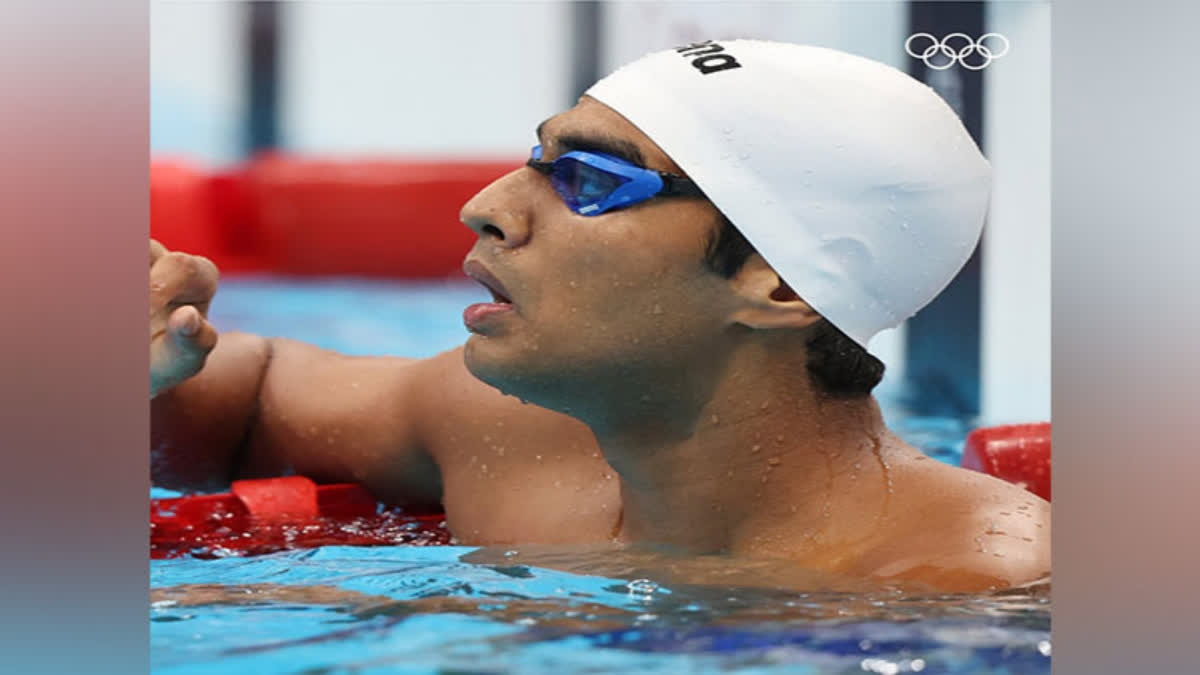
{"type": "Point", "coordinates": [181, 288]}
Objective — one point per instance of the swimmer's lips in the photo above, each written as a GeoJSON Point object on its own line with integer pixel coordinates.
{"type": "Point", "coordinates": [475, 314]}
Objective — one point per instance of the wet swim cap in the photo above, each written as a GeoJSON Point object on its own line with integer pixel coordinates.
{"type": "Point", "coordinates": [858, 184]}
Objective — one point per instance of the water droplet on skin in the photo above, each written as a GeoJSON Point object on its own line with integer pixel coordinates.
{"type": "Point", "coordinates": [500, 451]}
{"type": "Point", "coordinates": [765, 405]}
{"type": "Point", "coordinates": [730, 473]}
{"type": "Point", "coordinates": [509, 554]}
{"type": "Point", "coordinates": [558, 483]}
{"type": "Point", "coordinates": [756, 448]}
{"type": "Point", "coordinates": [779, 439]}
{"type": "Point", "coordinates": [538, 458]}
{"type": "Point", "coordinates": [572, 284]}
{"type": "Point", "coordinates": [716, 420]}
{"type": "Point", "coordinates": [774, 461]}
{"type": "Point", "coordinates": [657, 309]}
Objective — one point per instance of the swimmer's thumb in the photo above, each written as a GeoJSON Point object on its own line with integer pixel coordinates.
{"type": "Point", "coordinates": [181, 351]}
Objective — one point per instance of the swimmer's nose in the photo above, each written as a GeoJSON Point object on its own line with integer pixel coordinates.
{"type": "Point", "coordinates": [500, 211]}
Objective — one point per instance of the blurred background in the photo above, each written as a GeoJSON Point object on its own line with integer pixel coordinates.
{"type": "Point", "coordinates": [326, 141]}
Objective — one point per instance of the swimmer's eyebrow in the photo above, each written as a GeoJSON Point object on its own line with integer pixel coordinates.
{"type": "Point", "coordinates": [609, 145]}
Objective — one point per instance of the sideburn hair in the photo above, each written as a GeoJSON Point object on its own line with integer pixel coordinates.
{"type": "Point", "coordinates": [839, 366]}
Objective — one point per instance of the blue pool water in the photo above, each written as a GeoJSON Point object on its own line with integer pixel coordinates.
{"type": "Point", "coordinates": [432, 610]}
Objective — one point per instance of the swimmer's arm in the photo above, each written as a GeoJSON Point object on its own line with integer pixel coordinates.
{"type": "Point", "coordinates": [198, 427]}
{"type": "Point", "coordinates": [268, 407]}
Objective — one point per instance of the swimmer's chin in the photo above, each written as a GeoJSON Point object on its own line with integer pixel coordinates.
{"type": "Point", "coordinates": [502, 377]}
{"type": "Point", "coordinates": [486, 370]}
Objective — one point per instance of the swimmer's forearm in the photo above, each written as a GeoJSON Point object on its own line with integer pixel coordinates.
{"type": "Point", "coordinates": [199, 429]}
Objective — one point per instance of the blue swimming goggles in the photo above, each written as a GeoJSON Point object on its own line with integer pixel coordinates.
{"type": "Point", "coordinates": [592, 183]}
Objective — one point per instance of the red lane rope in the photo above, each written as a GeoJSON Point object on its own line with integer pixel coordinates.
{"type": "Point", "coordinates": [275, 514]}
{"type": "Point", "coordinates": [1017, 453]}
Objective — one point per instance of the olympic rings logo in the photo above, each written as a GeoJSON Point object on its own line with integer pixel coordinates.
{"type": "Point", "coordinates": [952, 55]}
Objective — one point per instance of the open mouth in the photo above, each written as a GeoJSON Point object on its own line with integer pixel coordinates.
{"type": "Point", "coordinates": [478, 272]}
{"type": "Point", "coordinates": [497, 296]}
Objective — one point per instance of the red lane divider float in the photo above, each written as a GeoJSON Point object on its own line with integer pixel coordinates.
{"type": "Point", "coordinates": [275, 514]}
{"type": "Point", "coordinates": [1017, 453]}
{"type": "Point", "coordinates": [284, 214]}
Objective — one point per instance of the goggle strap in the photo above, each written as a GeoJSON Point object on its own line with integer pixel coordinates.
{"type": "Point", "coordinates": [679, 186]}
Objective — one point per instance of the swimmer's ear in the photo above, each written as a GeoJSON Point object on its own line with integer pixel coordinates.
{"type": "Point", "coordinates": [765, 301]}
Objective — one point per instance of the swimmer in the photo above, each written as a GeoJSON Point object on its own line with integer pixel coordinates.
{"type": "Point", "coordinates": [685, 276]}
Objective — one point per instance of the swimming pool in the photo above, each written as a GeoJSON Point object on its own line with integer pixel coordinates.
{"type": "Point", "coordinates": [429, 610]}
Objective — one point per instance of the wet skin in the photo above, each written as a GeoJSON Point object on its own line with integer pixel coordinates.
{"type": "Point", "coordinates": [670, 405]}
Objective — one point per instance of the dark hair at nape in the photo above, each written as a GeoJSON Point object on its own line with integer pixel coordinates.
{"type": "Point", "coordinates": [839, 366]}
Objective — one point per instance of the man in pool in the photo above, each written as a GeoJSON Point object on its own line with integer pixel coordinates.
{"type": "Point", "coordinates": [684, 276]}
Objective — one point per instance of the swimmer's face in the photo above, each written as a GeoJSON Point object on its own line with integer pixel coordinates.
{"type": "Point", "coordinates": [594, 299]}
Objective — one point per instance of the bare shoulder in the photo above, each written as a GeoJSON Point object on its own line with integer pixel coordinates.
{"type": "Point", "coordinates": [511, 471]}
{"type": "Point", "coordinates": [964, 530]}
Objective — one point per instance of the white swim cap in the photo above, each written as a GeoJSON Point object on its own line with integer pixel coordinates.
{"type": "Point", "coordinates": [857, 184]}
